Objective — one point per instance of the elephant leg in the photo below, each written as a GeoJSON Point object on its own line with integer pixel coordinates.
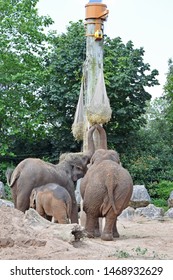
{"type": "Point", "coordinates": [61, 220]}
{"type": "Point", "coordinates": [82, 215]}
{"type": "Point", "coordinates": [22, 193]}
{"type": "Point", "coordinates": [74, 213]}
{"type": "Point", "coordinates": [14, 195]}
{"type": "Point", "coordinates": [91, 225]}
{"type": "Point", "coordinates": [82, 218]}
{"type": "Point", "coordinates": [60, 216]}
{"type": "Point", "coordinates": [115, 231]}
{"type": "Point", "coordinates": [40, 210]}
{"type": "Point", "coordinates": [97, 229]}
{"type": "Point", "coordinates": [110, 219]}
{"type": "Point", "coordinates": [22, 202]}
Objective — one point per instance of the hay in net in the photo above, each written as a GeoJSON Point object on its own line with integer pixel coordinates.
{"type": "Point", "coordinates": [99, 110]}
{"type": "Point", "coordinates": [77, 130]}
{"type": "Point", "coordinates": [102, 116]}
{"type": "Point", "coordinates": [78, 124]}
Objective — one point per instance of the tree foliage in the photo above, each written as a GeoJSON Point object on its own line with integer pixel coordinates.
{"type": "Point", "coordinates": [40, 83]}
{"type": "Point", "coordinates": [168, 93]}
{"type": "Point", "coordinates": [61, 92]}
{"type": "Point", "coordinates": [127, 77]}
{"type": "Point", "coordinates": [23, 71]}
{"type": "Point", "coordinates": [150, 157]}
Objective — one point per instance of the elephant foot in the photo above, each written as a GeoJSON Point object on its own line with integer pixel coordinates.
{"type": "Point", "coordinates": [90, 234]}
{"type": "Point", "coordinates": [116, 234]}
{"type": "Point", "coordinates": [107, 236]}
{"type": "Point", "coordinates": [97, 233]}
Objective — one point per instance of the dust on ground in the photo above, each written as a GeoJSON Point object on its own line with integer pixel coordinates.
{"type": "Point", "coordinates": [140, 238]}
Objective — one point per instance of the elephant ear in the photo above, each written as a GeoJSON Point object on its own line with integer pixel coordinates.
{"type": "Point", "coordinates": [98, 156]}
{"type": "Point", "coordinates": [85, 159]}
{"type": "Point", "coordinates": [102, 154]}
{"type": "Point", "coordinates": [78, 159]}
{"type": "Point", "coordinates": [114, 156]}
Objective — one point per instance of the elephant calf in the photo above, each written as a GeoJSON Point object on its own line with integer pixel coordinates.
{"type": "Point", "coordinates": [52, 200]}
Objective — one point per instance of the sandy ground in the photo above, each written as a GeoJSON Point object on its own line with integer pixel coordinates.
{"type": "Point", "coordinates": [140, 238]}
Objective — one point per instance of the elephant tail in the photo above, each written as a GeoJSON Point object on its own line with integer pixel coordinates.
{"type": "Point", "coordinates": [8, 175]}
{"type": "Point", "coordinates": [111, 196]}
{"type": "Point", "coordinates": [13, 177]}
{"type": "Point", "coordinates": [109, 201]}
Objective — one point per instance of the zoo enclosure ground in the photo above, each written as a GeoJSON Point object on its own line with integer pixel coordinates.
{"type": "Point", "coordinates": [140, 238]}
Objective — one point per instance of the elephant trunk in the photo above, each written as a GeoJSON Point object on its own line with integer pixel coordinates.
{"type": "Point", "coordinates": [103, 137]}
{"type": "Point", "coordinates": [91, 148]}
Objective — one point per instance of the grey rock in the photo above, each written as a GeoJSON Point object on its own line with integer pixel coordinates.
{"type": "Point", "coordinates": [6, 203]}
{"type": "Point", "coordinates": [127, 213]}
{"type": "Point", "coordinates": [2, 190]}
{"type": "Point", "coordinates": [140, 197]}
{"type": "Point", "coordinates": [169, 213]}
{"type": "Point", "coordinates": [170, 200]}
{"type": "Point", "coordinates": [150, 211]}
{"type": "Point", "coordinates": [66, 232]}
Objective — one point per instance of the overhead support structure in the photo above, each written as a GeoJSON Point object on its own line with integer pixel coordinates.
{"type": "Point", "coordinates": [96, 14]}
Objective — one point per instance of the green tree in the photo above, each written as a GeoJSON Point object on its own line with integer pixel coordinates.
{"type": "Point", "coordinates": [126, 77]}
{"type": "Point", "coordinates": [62, 91]}
{"type": "Point", "coordinates": [149, 158]}
{"type": "Point", "coordinates": [44, 103]}
{"type": "Point", "coordinates": [24, 48]}
{"type": "Point", "coordinates": [168, 93]}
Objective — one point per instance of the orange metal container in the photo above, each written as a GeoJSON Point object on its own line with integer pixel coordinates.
{"type": "Point", "coordinates": [96, 10]}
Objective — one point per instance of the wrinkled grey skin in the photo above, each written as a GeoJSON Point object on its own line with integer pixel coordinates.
{"type": "Point", "coordinates": [52, 201]}
{"type": "Point", "coordinates": [33, 172]}
{"type": "Point", "coordinates": [106, 190]}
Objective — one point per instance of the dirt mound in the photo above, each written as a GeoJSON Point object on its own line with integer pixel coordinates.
{"type": "Point", "coordinates": [29, 236]}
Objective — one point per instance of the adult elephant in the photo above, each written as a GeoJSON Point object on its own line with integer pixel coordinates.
{"type": "Point", "coordinates": [32, 172]}
{"type": "Point", "coordinates": [106, 190]}
{"type": "Point", "coordinates": [101, 144]}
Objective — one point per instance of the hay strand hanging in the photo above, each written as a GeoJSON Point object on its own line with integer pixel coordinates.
{"type": "Point", "coordinates": [99, 110]}
{"type": "Point", "coordinates": [78, 124]}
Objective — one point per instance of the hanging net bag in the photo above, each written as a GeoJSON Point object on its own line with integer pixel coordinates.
{"type": "Point", "coordinates": [99, 110]}
{"type": "Point", "coordinates": [78, 124]}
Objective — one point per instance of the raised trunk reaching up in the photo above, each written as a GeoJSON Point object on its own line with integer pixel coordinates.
{"type": "Point", "coordinates": [90, 145]}
{"type": "Point", "coordinates": [103, 137]}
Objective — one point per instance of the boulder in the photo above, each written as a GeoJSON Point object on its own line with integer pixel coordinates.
{"type": "Point", "coordinates": [150, 211]}
{"type": "Point", "coordinates": [127, 213]}
{"type": "Point", "coordinates": [169, 213]}
{"type": "Point", "coordinates": [65, 232]}
{"type": "Point", "coordinates": [170, 200]}
{"type": "Point", "coordinates": [7, 203]}
{"type": "Point", "coordinates": [2, 190]}
{"type": "Point", "coordinates": [140, 197]}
